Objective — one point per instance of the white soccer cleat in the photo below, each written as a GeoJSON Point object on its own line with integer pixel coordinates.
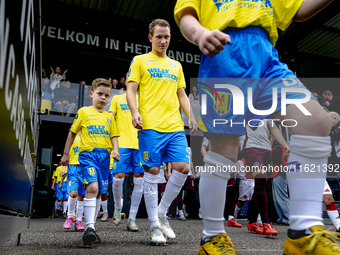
{"type": "Point", "coordinates": [182, 217]}
{"type": "Point", "coordinates": [117, 217]}
{"type": "Point", "coordinates": [157, 237]}
{"type": "Point", "coordinates": [165, 226]}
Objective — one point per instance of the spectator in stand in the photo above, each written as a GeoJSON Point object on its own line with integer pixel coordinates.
{"type": "Point", "coordinates": [45, 85]}
{"type": "Point", "coordinates": [194, 94]}
{"type": "Point", "coordinates": [56, 77]}
{"type": "Point", "coordinates": [65, 98]}
{"type": "Point", "coordinates": [43, 73]}
{"type": "Point", "coordinates": [114, 84]}
{"type": "Point", "coordinates": [121, 84]}
{"type": "Point", "coordinates": [319, 98]}
{"type": "Point", "coordinates": [87, 98]}
{"type": "Point", "coordinates": [332, 103]}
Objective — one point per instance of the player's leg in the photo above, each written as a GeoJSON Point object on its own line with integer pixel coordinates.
{"type": "Point", "coordinates": [80, 210]}
{"type": "Point", "coordinates": [310, 145]}
{"type": "Point", "coordinates": [151, 146]}
{"type": "Point", "coordinates": [212, 189]}
{"type": "Point", "coordinates": [281, 199]}
{"type": "Point", "coordinates": [231, 202]}
{"type": "Point", "coordinates": [179, 205]}
{"type": "Point", "coordinates": [137, 193]}
{"type": "Point", "coordinates": [72, 190]}
{"type": "Point", "coordinates": [331, 207]}
{"type": "Point", "coordinates": [119, 171]}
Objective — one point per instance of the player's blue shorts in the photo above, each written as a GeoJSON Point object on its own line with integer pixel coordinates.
{"type": "Point", "coordinates": [156, 147]}
{"type": "Point", "coordinates": [56, 187]}
{"type": "Point", "coordinates": [129, 162]}
{"type": "Point", "coordinates": [249, 62]}
{"type": "Point", "coordinates": [75, 180]}
{"type": "Point", "coordinates": [110, 177]}
{"type": "Point", "coordinates": [62, 193]}
{"type": "Point", "coordinates": [95, 167]}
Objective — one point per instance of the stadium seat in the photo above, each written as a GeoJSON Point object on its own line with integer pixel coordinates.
{"type": "Point", "coordinates": [46, 102]}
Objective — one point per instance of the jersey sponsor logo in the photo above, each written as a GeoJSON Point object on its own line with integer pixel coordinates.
{"type": "Point", "coordinates": [124, 107]}
{"type": "Point", "coordinates": [173, 64]}
{"type": "Point", "coordinates": [162, 73]}
{"type": "Point", "coordinates": [146, 155]}
{"type": "Point", "coordinates": [91, 171]}
{"type": "Point", "coordinates": [97, 129]}
{"type": "Point", "coordinates": [220, 3]}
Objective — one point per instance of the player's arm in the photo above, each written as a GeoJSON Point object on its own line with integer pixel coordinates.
{"type": "Point", "coordinates": [61, 182]}
{"type": "Point", "coordinates": [209, 42]}
{"type": "Point", "coordinates": [309, 8]}
{"type": "Point", "coordinates": [185, 106]}
{"type": "Point", "coordinates": [204, 150]}
{"type": "Point", "coordinates": [278, 136]}
{"type": "Point", "coordinates": [114, 141]}
{"type": "Point", "coordinates": [131, 91]}
{"type": "Point", "coordinates": [53, 183]}
{"type": "Point", "coordinates": [70, 138]}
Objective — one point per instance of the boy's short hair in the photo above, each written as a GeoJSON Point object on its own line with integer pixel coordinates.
{"type": "Point", "coordinates": [100, 81]}
{"type": "Point", "coordinates": [159, 22]}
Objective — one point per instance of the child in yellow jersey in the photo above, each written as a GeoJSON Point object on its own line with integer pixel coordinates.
{"type": "Point", "coordinates": [237, 40]}
{"type": "Point", "coordinates": [61, 190]}
{"type": "Point", "coordinates": [54, 187]}
{"type": "Point", "coordinates": [98, 138]}
{"type": "Point", "coordinates": [130, 161]}
{"type": "Point", "coordinates": [161, 86]}
{"type": "Point", "coordinates": [75, 187]}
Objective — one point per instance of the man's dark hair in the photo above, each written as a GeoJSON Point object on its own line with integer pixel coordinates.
{"type": "Point", "coordinates": [327, 93]}
{"type": "Point", "coordinates": [158, 22]}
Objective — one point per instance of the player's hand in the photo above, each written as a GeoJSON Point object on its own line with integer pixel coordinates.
{"type": "Point", "coordinates": [116, 155]}
{"type": "Point", "coordinates": [167, 175]}
{"type": "Point", "coordinates": [212, 42]}
{"type": "Point", "coordinates": [52, 69]}
{"type": "Point", "coordinates": [60, 185]}
{"type": "Point", "coordinates": [192, 125]}
{"type": "Point", "coordinates": [327, 104]}
{"type": "Point", "coordinates": [65, 160]}
{"type": "Point", "coordinates": [287, 149]}
{"type": "Point", "coordinates": [52, 187]}
{"type": "Point", "coordinates": [65, 71]}
{"type": "Point", "coordinates": [137, 121]}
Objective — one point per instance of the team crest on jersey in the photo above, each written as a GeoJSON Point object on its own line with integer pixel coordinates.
{"type": "Point", "coordinates": [225, 107]}
{"type": "Point", "coordinates": [146, 155]}
{"type": "Point", "coordinates": [173, 64]}
{"type": "Point", "coordinates": [91, 171]}
{"type": "Point", "coordinates": [108, 121]}
{"type": "Point", "coordinates": [76, 117]}
{"type": "Point", "coordinates": [114, 165]}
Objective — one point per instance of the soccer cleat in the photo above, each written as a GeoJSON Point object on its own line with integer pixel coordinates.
{"type": "Point", "coordinates": [185, 213]}
{"type": "Point", "coordinates": [255, 227]}
{"type": "Point", "coordinates": [157, 237]}
{"type": "Point", "coordinates": [117, 217]}
{"type": "Point", "coordinates": [68, 223]}
{"type": "Point", "coordinates": [269, 230]}
{"type": "Point", "coordinates": [165, 226]}
{"type": "Point", "coordinates": [79, 226]}
{"type": "Point", "coordinates": [105, 216]}
{"type": "Point", "coordinates": [132, 226]}
{"type": "Point", "coordinates": [321, 242]}
{"type": "Point", "coordinates": [234, 223]}
{"type": "Point", "coordinates": [89, 236]}
{"type": "Point", "coordinates": [220, 244]}
{"type": "Point", "coordinates": [97, 241]}
{"type": "Point", "coordinates": [181, 217]}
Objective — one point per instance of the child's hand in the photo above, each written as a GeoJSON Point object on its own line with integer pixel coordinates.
{"type": "Point", "coordinates": [137, 121]}
{"type": "Point", "coordinates": [52, 187]}
{"type": "Point", "coordinates": [212, 42]}
{"type": "Point", "coordinates": [60, 185]}
{"type": "Point", "coordinates": [63, 172]}
{"type": "Point", "coordinates": [116, 155]}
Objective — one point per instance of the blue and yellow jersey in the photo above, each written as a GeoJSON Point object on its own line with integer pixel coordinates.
{"type": "Point", "coordinates": [96, 129]}
{"type": "Point", "coordinates": [220, 14]}
{"type": "Point", "coordinates": [128, 134]}
{"type": "Point", "coordinates": [55, 175]}
{"type": "Point", "coordinates": [58, 172]}
{"type": "Point", "coordinates": [158, 79]}
{"type": "Point", "coordinates": [74, 151]}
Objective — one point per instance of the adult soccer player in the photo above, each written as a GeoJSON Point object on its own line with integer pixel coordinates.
{"type": "Point", "coordinates": [161, 86]}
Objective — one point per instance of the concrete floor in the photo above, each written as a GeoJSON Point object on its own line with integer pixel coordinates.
{"type": "Point", "coordinates": [47, 236]}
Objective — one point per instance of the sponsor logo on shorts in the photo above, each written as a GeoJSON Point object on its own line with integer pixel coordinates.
{"type": "Point", "coordinates": [69, 183]}
{"type": "Point", "coordinates": [146, 155]}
